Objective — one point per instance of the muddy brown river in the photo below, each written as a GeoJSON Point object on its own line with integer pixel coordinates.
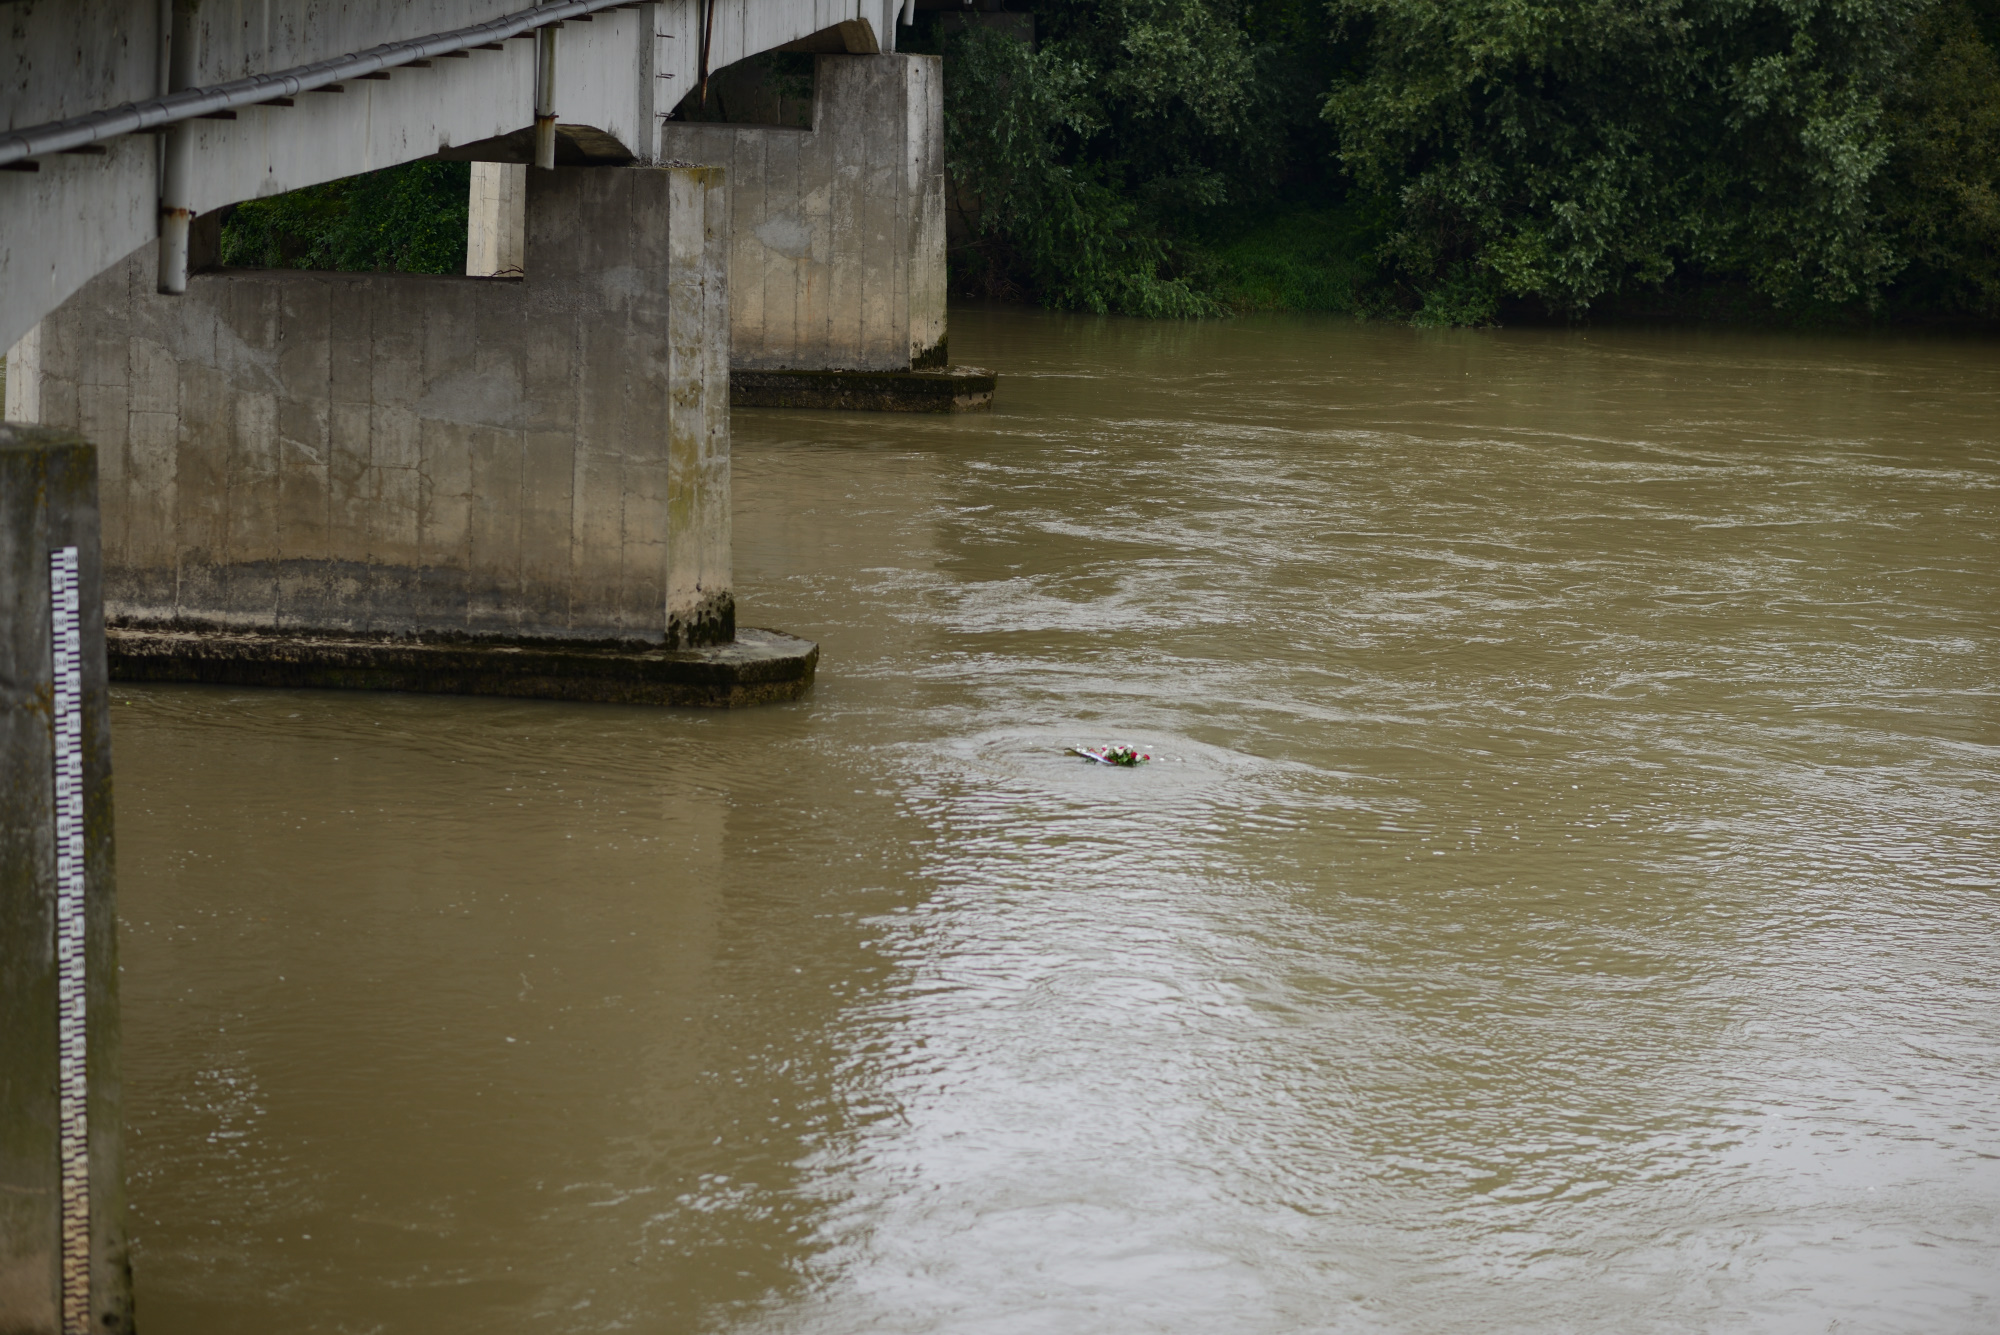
{"type": "Point", "coordinates": [1568, 899]}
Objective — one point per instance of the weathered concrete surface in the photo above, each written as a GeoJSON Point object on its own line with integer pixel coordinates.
{"type": "Point", "coordinates": [757, 667]}
{"type": "Point", "coordinates": [837, 257]}
{"type": "Point", "coordinates": [496, 234]}
{"type": "Point", "coordinates": [48, 499]}
{"type": "Point", "coordinates": [425, 457]}
{"type": "Point", "coordinates": [959, 389]}
{"type": "Point", "coordinates": [24, 381]}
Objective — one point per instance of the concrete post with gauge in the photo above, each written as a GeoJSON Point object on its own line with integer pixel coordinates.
{"type": "Point", "coordinates": [63, 1263]}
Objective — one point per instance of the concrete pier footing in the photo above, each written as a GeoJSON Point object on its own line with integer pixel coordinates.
{"type": "Point", "coordinates": [368, 463]}
{"type": "Point", "coordinates": [756, 667]}
{"type": "Point", "coordinates": [63, 1261]}
{"type": "Point", "coordinates": [955, 389]}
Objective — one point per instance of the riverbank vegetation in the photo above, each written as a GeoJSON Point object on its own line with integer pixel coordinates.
{"type": "Point", "coordinates": [1462, 161]}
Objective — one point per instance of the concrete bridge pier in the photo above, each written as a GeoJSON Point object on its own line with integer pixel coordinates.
{"type": "Point", "coordinates": [511, 486]}
{"type": "Point", "coordinates": [63, 1262]}
{"type": "Point", "coordinates": [837, 243]}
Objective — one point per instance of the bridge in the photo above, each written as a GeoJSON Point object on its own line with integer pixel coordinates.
{"type": "Point", "coordinates": [126, 119]}
{"type": "Point", "coordinates": [514, 482]}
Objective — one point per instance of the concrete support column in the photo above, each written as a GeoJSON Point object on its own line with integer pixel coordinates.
{"type": "Point", "coordinates": [24, 379]}
{"type": "Point", "coordinates": [431, 483]}
{"type": "Point", "coordinates": [496, 226]}
{"type": "Point", "coordinates": [836, 258]}
{"type": "Point", "coordinates": [63, 1263]}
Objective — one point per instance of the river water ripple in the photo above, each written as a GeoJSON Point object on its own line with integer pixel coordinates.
{"type": "Point", "coordinates": [1566, 902]}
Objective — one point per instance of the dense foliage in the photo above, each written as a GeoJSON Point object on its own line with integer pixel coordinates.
{"type": "Point", "coordinates": [1087, 168]}
{"type": "Point", "coordinates": [1453, 158]}
{"type": "Point", "coordinates": [410, 218]}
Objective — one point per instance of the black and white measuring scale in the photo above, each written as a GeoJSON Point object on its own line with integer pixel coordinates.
{"type": "Point", "coordinates": [66, 653]}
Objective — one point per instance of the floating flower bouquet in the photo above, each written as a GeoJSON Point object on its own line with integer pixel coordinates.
{"type": "Point", "coordinates": [1111, 755]}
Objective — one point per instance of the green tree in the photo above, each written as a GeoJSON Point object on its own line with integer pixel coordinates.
{"type": "Point", "coordinates": [1943, 198]}
{"type": "Point", "coordinates": [1569, 152]}
{"type": "Point", "coordinates": [1041, 220]}
{"type": "Point", "coordinates": [1088, 168]}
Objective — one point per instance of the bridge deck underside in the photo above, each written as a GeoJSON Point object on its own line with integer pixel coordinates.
{"type": "Point", "coordinates": [77, 214]}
